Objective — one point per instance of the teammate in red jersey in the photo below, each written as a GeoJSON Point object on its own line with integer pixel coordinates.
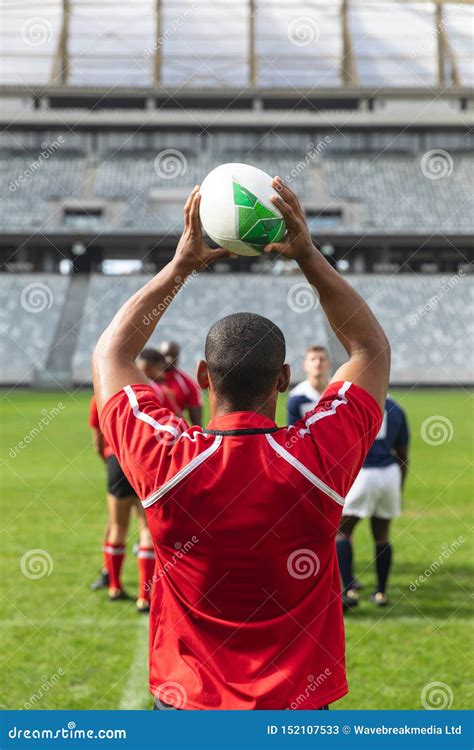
{"type": "Point", "coordinates": [244, 514]}
{"type": "Point", "coordinates": [121, 497]}
{"type": "Point", "coordinates": [186, 392]}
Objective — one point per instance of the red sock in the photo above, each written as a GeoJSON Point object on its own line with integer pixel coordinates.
{"type": "Point", "coordinates": [146, 569]}
{"type": "Point", "coordinates": [114, 557]}
{"type": "Point", "coordinates": [104, 557]}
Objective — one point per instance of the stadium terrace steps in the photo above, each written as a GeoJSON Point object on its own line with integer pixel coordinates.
{"type": "Point", "coordinates": [58, 366]}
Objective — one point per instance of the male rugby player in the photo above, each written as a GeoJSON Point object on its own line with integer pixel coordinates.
{"type": "Point", "coordinates": [304, 397]}
{"type": "Point", "coordinates": [376, 494]}
{"type": "Point", "coordinates": [186, 392]}
{"type": "Point", "coordinates": [251, 605]}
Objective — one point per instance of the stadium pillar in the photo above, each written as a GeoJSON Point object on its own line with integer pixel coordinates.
{"type": "Point", "coordinates": [156, 73]}
{"type": "Point", "coordinates": [251, 44]}
{"type": "Point", "coordinates": [60, 69]}
{"type": "Point", "coordinates": [348, 67]}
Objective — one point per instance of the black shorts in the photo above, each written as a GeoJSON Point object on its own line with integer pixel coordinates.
{"type": "Point", "coordinates": [117, 483]}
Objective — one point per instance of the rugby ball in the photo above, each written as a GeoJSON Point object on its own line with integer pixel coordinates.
{"type": "Point", "coordinates": [236, 210]}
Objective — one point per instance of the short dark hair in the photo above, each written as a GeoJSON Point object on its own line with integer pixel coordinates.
{"type": "Point", "coordinates": [244, 354]}
{"type": "Point", "coordinates": [152, 356]}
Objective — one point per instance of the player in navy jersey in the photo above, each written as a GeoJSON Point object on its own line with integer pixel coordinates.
{"type": "Point", "coordinates": [375, 494]}
{"type": "Point", "coordinates": [306, 395]}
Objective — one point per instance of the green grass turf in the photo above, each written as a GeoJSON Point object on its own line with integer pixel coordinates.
{"type": "Point", "coordinates": [75, 650]}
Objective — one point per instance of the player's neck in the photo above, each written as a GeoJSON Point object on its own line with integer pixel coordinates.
{"type": "Point", "coordinates": [222, 407]}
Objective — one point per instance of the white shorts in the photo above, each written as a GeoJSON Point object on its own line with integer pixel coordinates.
{"type": "Point", "coordinates": [375, 492]}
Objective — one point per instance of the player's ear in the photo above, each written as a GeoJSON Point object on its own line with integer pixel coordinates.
{"type": "Point", "coordinates": [202, 375]}
{"type": "Point", "coordinates": [284, 379]}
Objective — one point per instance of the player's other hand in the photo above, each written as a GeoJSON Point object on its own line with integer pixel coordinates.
{"type": "Point", "coordinates": [297, 243]}
{"type": "Point", "coordinates": [193, 253]}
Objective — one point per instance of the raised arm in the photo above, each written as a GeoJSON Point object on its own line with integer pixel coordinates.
{"type": "Point", "coordinates": [113, 361]}
{"type": "Point", "coordinates": [349, 316]}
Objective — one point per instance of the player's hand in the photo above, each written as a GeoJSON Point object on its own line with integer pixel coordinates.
{"type": "Point", "coordinates": [297, 243]}
{"type": "Point", "coordinates": [192, 252]}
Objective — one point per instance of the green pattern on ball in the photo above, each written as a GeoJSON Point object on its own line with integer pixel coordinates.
{"type": "Point", "coordinates": [257, 225]}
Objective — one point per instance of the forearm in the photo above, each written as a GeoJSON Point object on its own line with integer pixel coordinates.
{"type": "Point", "coordinates": [349, 316]}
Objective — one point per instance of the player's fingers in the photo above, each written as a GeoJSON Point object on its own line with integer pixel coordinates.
{"type": "Point", "coordinates": [276, 247]}
{"type": "Point", "coordinates": [188, 204]}
{"type": "Point", "coordinates": [287, 211]}
{"type": "Point", "coordinates": [287, 194]}
{"type": "Point", "coordinates": [194, 219]}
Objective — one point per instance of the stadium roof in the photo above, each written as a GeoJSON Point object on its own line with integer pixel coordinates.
{"type": "Point", "coordinates": [261, 43]}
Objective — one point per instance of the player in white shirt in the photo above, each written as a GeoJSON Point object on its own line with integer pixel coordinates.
{"type": "Point", "coordinates": [306, 395]}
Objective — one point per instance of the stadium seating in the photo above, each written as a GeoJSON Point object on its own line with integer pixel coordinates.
{"type": "Point", "coordinates": [428, 319]}
{"type": "Point", "coordinates": [375, 194]}
{"type": "Point", "coordinates": [30, 309]}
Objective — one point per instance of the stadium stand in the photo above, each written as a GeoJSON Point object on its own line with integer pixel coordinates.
{"type": "Point", "coordinates": [31, 306]}
{"type": "Point", "coordinates": [428, 320]}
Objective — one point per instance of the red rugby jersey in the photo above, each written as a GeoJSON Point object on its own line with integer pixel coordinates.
{"type": "Point", "coordinates": [247, 613]}
{"type": "Point", "coordinates": [107, 450]}
{"type": "Point", "coordinates": [186, 392]}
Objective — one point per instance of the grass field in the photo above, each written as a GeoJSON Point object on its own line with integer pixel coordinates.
{"type": "Point", "coordinates": [67, 647]}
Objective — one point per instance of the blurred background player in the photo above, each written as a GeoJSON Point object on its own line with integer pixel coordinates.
{"type": "Point", "coordinates": [186, 391]}
{"type": "Point", "coordinates": [306, 395]}
{"type": "Point", "coordinates": [375, 494]}
{"type": "Point", "coordinates": [121, 497]}
{"type": "Point", "coordinates": [153, 364]}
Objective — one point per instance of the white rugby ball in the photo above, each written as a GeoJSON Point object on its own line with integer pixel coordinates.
{"type": "Point", "coordinates": [236, 210]}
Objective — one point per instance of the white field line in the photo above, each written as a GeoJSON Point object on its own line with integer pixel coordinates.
{"type": "Point", "coordinates": [135, 692]}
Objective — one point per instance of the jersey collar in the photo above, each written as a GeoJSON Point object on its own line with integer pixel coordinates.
{"type": "Point", "coordinates": [241, 420]}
